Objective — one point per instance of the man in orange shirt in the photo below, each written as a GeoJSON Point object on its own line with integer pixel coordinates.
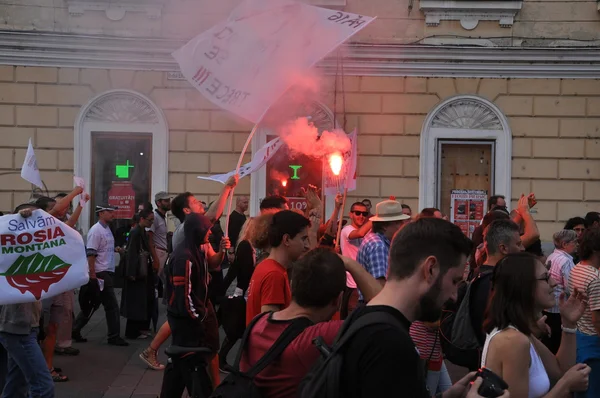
{"type": "Point", "coordinates": [269, 288]}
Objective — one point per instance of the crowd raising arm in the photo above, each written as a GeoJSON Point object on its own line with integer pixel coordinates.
{"type": "Point", "coordinates": [522, 215]}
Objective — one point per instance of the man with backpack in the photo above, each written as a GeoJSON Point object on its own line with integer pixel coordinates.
{"type": "Point", "coordinates": [277, 350]}
{"type": "Point", "coordinates": [501, 238]}
{"type": "Point", "coordinates": [461, 327]}
{"type": "Point", "coordinates": [374, 355]}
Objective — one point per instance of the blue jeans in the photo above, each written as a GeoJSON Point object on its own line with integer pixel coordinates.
{"type": "Point", "coordinates": [588, 352]}
{"type": "Point", "coordinates": [28, 375]}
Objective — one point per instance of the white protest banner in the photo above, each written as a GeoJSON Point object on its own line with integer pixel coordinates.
{"type": "Point", "coordinates": [347, 176]}
{"type": "Point", "coordinates": [40, 258]}
{"type": "Point", "coordinates": [261, 157]}
{"type": "Point", "coordinates": [244, 64]}
{"type": "Point", "coordinates": [80, 182]}
{"type": "Point", "coordinates": [30, 171]}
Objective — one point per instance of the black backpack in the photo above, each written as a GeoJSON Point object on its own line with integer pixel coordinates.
{"type": "Point", "coordinates": [324, 380]}
{"type": "Point", "coordinates": [460, 344]}
{"type": "Point", "coordinates": [240, 384]}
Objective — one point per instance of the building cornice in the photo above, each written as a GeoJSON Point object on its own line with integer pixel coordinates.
{"type": "Point", "coordinates": [86, 51]}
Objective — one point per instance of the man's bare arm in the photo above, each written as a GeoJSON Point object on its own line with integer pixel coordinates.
{"type": "Point", "coordinates": [216, 210]}
{"type": "Point", "coordinates": [63, 203]}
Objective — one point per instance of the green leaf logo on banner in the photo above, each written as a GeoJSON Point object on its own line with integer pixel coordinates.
{"type": "Point", "coordinates": [36, 273]}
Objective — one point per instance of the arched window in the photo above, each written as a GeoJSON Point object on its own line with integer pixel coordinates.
{"type": "Point", "coordinates": [121, 151]}
{"type": "Point", "coordinates": [466, 143]}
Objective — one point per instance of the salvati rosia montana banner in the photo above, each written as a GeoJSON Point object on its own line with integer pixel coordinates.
{"type": "Point", "coordinates": [40, 257]}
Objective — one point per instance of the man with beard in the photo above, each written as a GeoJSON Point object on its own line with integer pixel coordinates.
{"type": "Point", "coordinates": [158, 232]}
{"type": "Point", "coordinates": [426, 264]}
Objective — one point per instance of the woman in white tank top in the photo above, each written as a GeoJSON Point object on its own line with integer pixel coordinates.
{"type": "Point", "coordinates": [522, 288]}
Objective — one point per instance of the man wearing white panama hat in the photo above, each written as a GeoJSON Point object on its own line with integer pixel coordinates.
{"type": "Point", "coordinates": [374, 251]}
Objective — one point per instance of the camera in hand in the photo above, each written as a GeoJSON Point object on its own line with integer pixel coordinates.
{"type": "Point", "coordinates": [492, 385]}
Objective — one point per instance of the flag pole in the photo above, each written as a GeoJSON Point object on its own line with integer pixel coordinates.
{"type": "Point", "coordinates": [339, 230]}
{"type": "Point", "coordinates": [237, 169]}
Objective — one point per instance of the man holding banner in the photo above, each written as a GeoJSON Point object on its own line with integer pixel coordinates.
{"type": "Point", "coordinates": [19, 327]}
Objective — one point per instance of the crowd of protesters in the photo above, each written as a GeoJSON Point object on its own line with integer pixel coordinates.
{"type": "Point", "coordinates": [392, 284]}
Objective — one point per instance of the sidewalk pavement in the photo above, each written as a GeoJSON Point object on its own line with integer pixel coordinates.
{"type": "Point", "coordinates": [101, 370]}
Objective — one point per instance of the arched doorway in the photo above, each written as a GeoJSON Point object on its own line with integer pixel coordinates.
{"type": "Point", "coordinates": [121, 146]}
{"type": "Point", "coordinates": [321, 116]}
{"type": "Point", "coordinates": [468, 128]}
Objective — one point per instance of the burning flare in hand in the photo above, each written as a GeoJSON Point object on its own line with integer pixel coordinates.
{"type": "Point", "coordinates": [335, 162]}
{"type": "Point", "coordinates": [284, 183]}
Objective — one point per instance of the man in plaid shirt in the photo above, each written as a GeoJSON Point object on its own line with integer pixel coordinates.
{"type": "Point", "coordinates": [375, 248]}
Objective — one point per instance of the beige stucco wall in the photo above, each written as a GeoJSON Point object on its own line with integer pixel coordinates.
{"type": "Point", "coordinates": [555, 125]}
{"type": "Point", "coordinates": [550, 19]}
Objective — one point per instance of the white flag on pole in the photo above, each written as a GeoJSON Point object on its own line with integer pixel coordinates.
{"type": "Point", "coordinates": [347, 176]}
{"type": "Point", "coordinates": [352, 162]}
{"type": "Point", "coordinates": [259, 159]}
{"type": "Point", "coordinates": [30, 171]}
{"type": "Point", "coordinates": [246, 63]}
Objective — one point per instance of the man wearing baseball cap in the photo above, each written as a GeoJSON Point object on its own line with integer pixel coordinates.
{"type": "Point", "coordinates": [375, 248]}
{"type": "Point", "coordinates": [100, 250]}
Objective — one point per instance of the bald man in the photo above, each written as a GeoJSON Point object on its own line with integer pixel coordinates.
{"type": "Point", "coordinates": [237, 218]}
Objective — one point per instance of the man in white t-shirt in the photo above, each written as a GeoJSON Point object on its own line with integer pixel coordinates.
{"type": "Point", "coordinates": [350, 240]}
{"type": "Point", "coordinates": [100, 249]}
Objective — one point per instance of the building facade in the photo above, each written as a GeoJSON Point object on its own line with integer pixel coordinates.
{"type": "Point", "coordinates": [495, 95]}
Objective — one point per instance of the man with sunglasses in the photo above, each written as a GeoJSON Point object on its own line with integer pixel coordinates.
{"type": "Point", "coordinates": [350, 240]}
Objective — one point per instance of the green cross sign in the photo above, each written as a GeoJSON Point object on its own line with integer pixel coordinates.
{"type": "Point", "coordinates": [122, 170]}
{"type": "Point", "coordinates": [295, 168]}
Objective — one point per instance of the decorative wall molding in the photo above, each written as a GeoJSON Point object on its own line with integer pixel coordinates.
{"type": "Point", "coordinates": [466, 117]}
{"type": "Point", "coordinates": [466, 114]}
{"type": "Point", "coordinates": [328, 3]}
{"type": "Point", "coordinates": [84, 51]}
{"type": "Point", "coordinates": [469, 13]}
{"type": "Point", "coordinates": [115, 11]}
{"type": "Point", "coordinates": [119, 107]}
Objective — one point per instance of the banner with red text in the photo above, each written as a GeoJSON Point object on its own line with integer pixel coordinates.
{"type": "Point", "coordinates": [40, 257]}
{"type": "Point", "coordinates": [244, 64]}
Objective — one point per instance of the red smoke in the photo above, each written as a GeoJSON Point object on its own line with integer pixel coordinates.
{"type": "Point", "coordinates": [303, 138]}
{"type": "Point", "coordinates": [279, 176]}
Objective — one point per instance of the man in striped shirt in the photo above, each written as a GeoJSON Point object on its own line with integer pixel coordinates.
{"type": "Point", "coordinates": [561, 264]}
{"type": "Point", "coordinates": [585, 277]}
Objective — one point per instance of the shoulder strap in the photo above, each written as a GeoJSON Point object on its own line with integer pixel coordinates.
{"type": "Point", "coordinates": [296, 327]}
{"type": "Point", "coordinates": [238, 357]}
{"type": "Point", "coordinates": [371, 318]}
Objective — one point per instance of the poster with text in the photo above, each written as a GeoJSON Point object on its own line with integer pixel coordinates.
{"type": "Point", "coordinates": [468, 207]}
{"type": "Point", "coordinates": [41, 257]}
{"type": "Point", "coordinates": [122, 196]}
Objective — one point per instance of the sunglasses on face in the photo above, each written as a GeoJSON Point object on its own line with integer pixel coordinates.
{"type": "Point", "coordinates": [361, 213]}
{"type": "Point", "coordinates": [545, 278]}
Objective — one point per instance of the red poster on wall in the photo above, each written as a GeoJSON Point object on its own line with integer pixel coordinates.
{"type": "Point", "coordinates": [122, 196]}
{"type": "Point", "coordinates": [468, 208]}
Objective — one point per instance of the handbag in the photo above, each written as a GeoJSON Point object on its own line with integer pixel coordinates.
{"type": "Point", "coordinates": [144, 257]}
